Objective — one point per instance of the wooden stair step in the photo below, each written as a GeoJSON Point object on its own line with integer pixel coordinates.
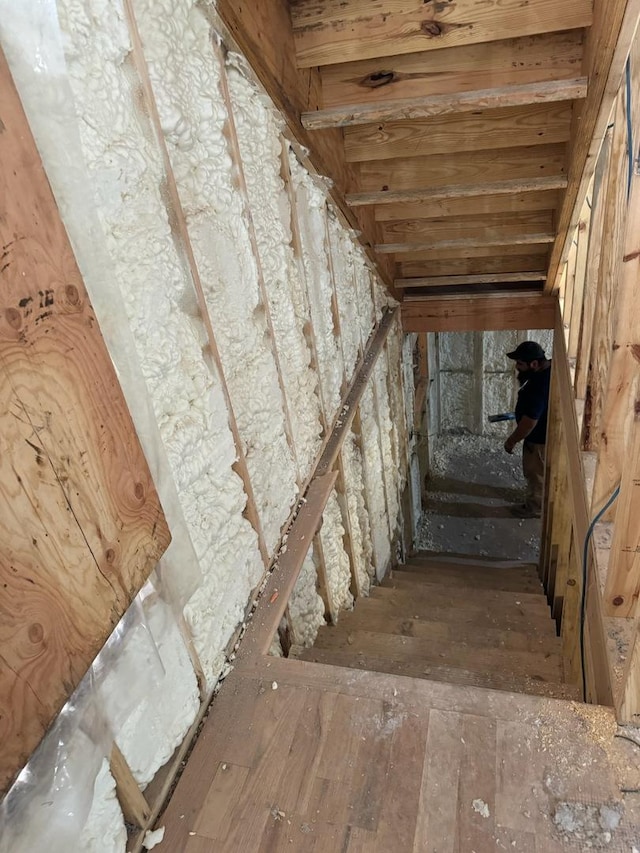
{"type": "Point", "coordinates": [444, 561]}
{"type": "Point", "coordinates": [449, 674]}
{"type": "Point", "coordinates": [367, 616]}
{"type": "Point", "coordinates": [440, 609]}
{"type": "Point", "coordinates": [547, 666]}
{"type": "Point", "coordinates": [488, 598]}
{"type": "Point", "coordinates": [470, 579]}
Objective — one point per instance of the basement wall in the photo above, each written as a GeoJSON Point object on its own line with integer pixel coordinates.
{"type": "Point", "coordinates": [471, 378]}
{"type": "Point", "coordinates": [235, 307]}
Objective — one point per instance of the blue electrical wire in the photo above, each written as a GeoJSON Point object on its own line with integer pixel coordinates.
{"type": "Point", "coordinates": [583, 600]}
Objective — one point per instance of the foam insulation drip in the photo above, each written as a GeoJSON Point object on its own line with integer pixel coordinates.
{"type": "Point", "coordinates": [374, 483]}
{"type": "Point", "coordinates": [311, 203]}
{"type": "Point", "coordinates": [186, 83]}
{"type": "Point", "coordinates": [342, 253]}
{"type": "Point", "coordinates": [306, 607]}
{"type": "Point", "coordinates": [336, 559]}
{"type": "Point", "coordinates": [258, 135]}
{"type": "Point", "coordinates": [361, 547]}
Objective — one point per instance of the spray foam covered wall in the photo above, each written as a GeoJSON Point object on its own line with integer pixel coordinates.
{"type": "Point", "coordinates": [160, 275]}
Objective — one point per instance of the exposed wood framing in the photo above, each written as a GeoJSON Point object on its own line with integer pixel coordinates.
{"type": "Point", "coordinates": [179, 228]}
{"type": "Point", "coordinates": [459, 191]}
{"type": "Point", "coordinates": [468, 243]}
{"type": "Point", "coordinates": [575, 319]}
{"type": "Point", "coordinates": [482, 278]}
{"type": "Point", "coordinates": [529, 59]}
{"type": "Point", "coordinates": [236, 158]}
{"type": "Point", "coordinates": [81, 523]}
{"type": "Point", "coordinates": [596, 234]}
{"type": "Point", "coordinates": [488, 312]}
{"type": "Point", "coordinates": [135, 808]}
{"type": "Point", "coordinates": [518, 95]}
{"type": "Point", "coordinates": [327, 32]}
{"type": "Point", "coordinates": [607, 46]}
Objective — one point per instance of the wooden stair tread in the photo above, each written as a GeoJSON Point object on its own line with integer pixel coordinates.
{"type": "Point", "coordinates": [400, 603]}
{"type": "Point", "coordinates": [450, 674]}
{"type": "Point", "coordinates": [371, 617]}
{"type": "Point", "coordinates": [546, 665]}
{"type": "Point", "coordinates": [478, 598]}
{"type": "Point", "coordinates": [445, 561]}
{"type": "Point", "coordinates": [470, 579]}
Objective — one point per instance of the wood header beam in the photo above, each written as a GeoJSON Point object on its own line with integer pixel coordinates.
{"type": "Point", "coordinates": [330, 31]}
{"type": "Point", "coordinates": [458, 191]}
{"type": "Point", "coordinates": [428, 106]}
{"type": "Point", "coordinates": [471, 242]}
{"type": "Point", "coordinates": [482, 312]}
{"type": "Point", "coordinates": [480, 278]}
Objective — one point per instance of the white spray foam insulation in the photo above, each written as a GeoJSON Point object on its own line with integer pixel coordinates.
{"type": "Point", "coordinates": [186, 83]}
{"type": "Point", "coordinates": [127, 174]}
{"type": "Point", "coordinates": [306, 607]}
{"type": "Point", "coordinates": [496, 345]}
{"type": "Point", "coordinates": [456, 350]}
{"type": "Point", "coordinates": [366, 308]}
{"type": "Point", "coordinates": [457, 402]}
{"type": "Point", "coordinates": [390, 469]}
{"type": "Point", "coordinates": [358, 515]}
{"type": "Point", "coordinates": [343, 257]}
{"type": "Point", "coordinates": [375, 494]}
{"type": "Point", "coordinates": [311, 204]}
{"type": "Point", "coordinates": [159, 723]}
{"type": "Point", "coordinates": [258, 135]}
{"type": "Point", "coordinates": [336, 559]}
{"type": "Point", "coordinates": [104, 830]}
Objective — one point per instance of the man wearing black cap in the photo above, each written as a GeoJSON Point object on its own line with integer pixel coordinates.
{"type": "Point", "coordinates": [534, 376]}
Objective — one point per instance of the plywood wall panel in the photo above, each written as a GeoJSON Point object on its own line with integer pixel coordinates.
{"type": "Point", "coordinates": [81, 526]}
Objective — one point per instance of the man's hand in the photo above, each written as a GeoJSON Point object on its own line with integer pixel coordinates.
{"type": "Point", "coordinates": [509, 445]}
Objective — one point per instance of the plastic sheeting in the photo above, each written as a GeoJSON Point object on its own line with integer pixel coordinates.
{"type": "Point", "coordinates": [53, 795]}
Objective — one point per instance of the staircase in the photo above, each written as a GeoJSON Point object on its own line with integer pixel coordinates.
{"type": "Point", "coordinates": [455, 619]}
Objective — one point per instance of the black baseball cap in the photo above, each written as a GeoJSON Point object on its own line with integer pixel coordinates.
{"type": "Point", "coordinates": [527, 351]}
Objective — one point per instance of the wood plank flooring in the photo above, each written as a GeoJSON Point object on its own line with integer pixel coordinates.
{"type": "Point", "coordinates": [336, 759]}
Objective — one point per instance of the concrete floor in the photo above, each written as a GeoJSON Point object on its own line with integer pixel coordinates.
{"type": "Point", "coordinates": [473, 483]}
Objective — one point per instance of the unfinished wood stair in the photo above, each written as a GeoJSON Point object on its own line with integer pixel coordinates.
{"type": "Point", "coordinates": [458, 620]}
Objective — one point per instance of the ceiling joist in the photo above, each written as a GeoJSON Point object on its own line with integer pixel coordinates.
{"type": "Point", "coordinates": [330, 31]}
{"type": "Point", "coordinates": [457, 280]}
{"type": "Point", "coordinates": [467, 243]}
{"type": "Point", "coordinates": [458, 191]}
{"type": "Point", "coordinates": [428, 106]}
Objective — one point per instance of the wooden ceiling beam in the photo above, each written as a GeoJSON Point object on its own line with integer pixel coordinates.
{"type": "Point", "coordinates": [479, 312]}
{"type": "Point", "coordinates": [607, 46]}
{"type": "Point", "coordinates": [480, 228]}
{"type": "Point", "coordinates": [496, 265]}
{"type": "Point", "coordinates": [533, 59]}
{"type": "Point", "coordinates": [509, 127]}
{"type": "Point", "coordinates": [473, 252]}
{"type": "Point", "coordinates": [517, 186]}
{"type": "Point", "coordinates": [467, 243]}
{"type": "Point", "coordinates": [457, 280]}
{"type": "Point", "coordinates": [330, 31]}
{"type": "Point", "coordinates": [428, 106]}
{"type": "Point", "coordinates": [482, 205]}
{"type": "Point", "coordinates": [445, 171]}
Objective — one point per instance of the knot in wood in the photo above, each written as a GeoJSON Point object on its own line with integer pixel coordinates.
{"type": "Point", "coordinates": [431, 28]}
{"type": "Point", "coordinates": [618, 600]}
{"type": "Point", "coordinates": [378, 79]}
{"type": "Point", "coordinates": [13, 318]}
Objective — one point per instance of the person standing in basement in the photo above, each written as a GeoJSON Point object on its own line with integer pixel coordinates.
{"type": "Point", "coordinates": [534, 378]}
